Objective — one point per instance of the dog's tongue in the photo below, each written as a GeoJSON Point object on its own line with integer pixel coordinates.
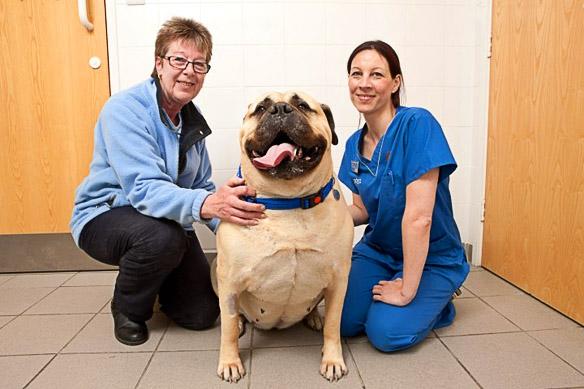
{"type": "Point", "coordinates": [274, 156]}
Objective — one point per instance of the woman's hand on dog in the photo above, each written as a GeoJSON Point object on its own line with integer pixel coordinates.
{"type": "Point", "coordinates": [227, 205]}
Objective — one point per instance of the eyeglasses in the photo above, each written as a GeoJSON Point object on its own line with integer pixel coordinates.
{"type": "Point", "coordinates": [182, 63]}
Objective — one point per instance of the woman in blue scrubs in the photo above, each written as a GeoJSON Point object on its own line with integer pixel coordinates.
{"type": "Point", "coordinates": [410, 260]}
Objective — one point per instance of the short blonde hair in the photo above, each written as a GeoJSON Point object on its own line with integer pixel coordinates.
{"type": "Point", "coordinates": [182, 29]}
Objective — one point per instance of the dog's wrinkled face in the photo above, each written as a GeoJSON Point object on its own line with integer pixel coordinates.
{"type": "Point", "coordinates": [286, 135]}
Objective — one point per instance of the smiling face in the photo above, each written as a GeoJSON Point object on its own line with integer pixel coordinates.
{"type": "Point", "coordinates": [371, 83]}
{"type": "Point", "coordinates": [179, 86]}
{"type": "Point", "coordinates": [286, 135]}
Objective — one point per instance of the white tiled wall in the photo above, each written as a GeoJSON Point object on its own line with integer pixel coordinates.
{"type": "Point", "coordinates": [280, 45]}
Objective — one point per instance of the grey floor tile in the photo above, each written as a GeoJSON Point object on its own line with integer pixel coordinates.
{"type": "Point", "coordinates": [357, 339]}
{"type": "Point", "coordinates": [14, 301]}
{"type": "Point", "coordinates": [39, 334]}
{"type": "Point", "coordinates": [106, 308]}
{"type": "Point", "coordinates": [5, 319]}
{"type": "Point", "coordinates": [568, 343]}
{"type": "Point", "coordinates": [512, 361]}
{"type": "Point", "coordinates": [465, 293]}
{"type": "Point", "coordinates": [93, 278]}
{"type": "Point", "coordinates": [89, 371]}
{"type": "Point", "coordinates": [426, 365]}
{"type": "Point", "coordinates": [82, 299]}
{"type": "Point", "coordinates": [528, 313]}
{"type": "Point", "coordinates": [189, 369]}
{"type": "Point", "coordinates": [485, 283]}
{"type": "Point", "coordinates": [297, 335]}
{"type": "Point", "coordinates": [4, 278]}
{"type": "Point", "coordinates": [180, 339]}
{"type": "Point", "coordinates": [98, 336]}
{"type": "Point", "coordinates": [475, 317]}
{"type": "Point", "coordinates": [297, 367]}
{"type": "Point", "coordinates": [17, 371]}
{"type": "Point", "coordinates": [44, 280]}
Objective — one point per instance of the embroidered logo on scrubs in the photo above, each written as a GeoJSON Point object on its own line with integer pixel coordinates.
{"type": "Point", "coordinates": [355, 166]}
{"type": "Point", "coordinates": [357, 181]}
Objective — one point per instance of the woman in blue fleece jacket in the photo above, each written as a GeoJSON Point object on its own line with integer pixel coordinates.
{"type": "Point", "coordinates": [149, 181]}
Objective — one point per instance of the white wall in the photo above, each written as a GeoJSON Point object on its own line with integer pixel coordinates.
{"type": "Point", "coordinates": [280, 45]}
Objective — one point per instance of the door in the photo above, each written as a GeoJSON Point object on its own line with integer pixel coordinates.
{"type": "Point", "coordinates": [50, 98]}
{"type": "Point", "coordinates": [534, 202]}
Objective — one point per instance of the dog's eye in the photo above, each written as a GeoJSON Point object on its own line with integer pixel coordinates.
{"type": "Point", "coordinates": [303, 106]}
{"type": "Point", "coordinates": [260, 109]}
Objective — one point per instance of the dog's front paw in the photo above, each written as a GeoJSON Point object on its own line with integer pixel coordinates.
{"type": "Point", "coordinates": [333, 369]}
{"type": "Point", "coordinates": [231, 371]}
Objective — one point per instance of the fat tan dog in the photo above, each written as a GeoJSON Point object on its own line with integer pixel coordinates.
{"type": "Point", "coordinates": [277, 272]}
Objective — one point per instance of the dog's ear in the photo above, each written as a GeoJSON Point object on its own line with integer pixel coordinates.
{"type": "Point", "coordinates": [331, 122]}
{"type": "Point", "coordinates": [246, 112]}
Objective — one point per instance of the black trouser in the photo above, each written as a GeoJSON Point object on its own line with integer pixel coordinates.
{"type": "Point", "coordinates": [155, 257]}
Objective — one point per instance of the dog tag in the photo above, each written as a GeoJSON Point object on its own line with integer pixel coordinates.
{"type": "Point", "coordinates": [355, 166]}
{"type": "Point", "coordinates": [336, 194]}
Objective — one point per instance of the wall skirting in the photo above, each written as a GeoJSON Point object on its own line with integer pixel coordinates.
{"type": "Point", "coordinates": [43, 252]}
{"type": "Point", "coordinates": [47, 253]}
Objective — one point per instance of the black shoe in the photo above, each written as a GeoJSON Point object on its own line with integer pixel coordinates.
{"type": "Point", "coordinates": [128, 332]}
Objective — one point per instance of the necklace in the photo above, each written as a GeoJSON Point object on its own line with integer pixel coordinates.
{"type": "Point", "coordinates": [378, 157]}
{"type": "Point", "coordinates": [380, 147]}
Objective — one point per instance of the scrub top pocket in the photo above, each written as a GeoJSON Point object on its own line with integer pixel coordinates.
{"type": "Point", "coordinates": [392, 200]}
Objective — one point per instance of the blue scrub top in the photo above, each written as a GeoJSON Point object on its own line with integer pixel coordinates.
{"type": "Point", "coordinates": [414, 144]}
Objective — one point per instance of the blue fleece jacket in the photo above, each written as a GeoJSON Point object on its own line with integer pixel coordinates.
{"type": "Point", "coordinates": [136, 162]}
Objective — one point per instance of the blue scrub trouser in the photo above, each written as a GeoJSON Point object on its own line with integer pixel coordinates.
{"type": "Point", "coordinates": [390, 327]}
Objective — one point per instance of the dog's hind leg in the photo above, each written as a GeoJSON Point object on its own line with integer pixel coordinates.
{"type": "Point", "coordinates": [242, 325]}
{"type": "Point", "coordinates": [314, 320]}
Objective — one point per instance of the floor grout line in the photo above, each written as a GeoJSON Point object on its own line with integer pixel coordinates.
{"type": "Point", "coordinates": [152, 354]}
{"type": "Point", "coordinates": [552, 351]}
{"type": "Point", "coordinates": [62, 348]}
{"type": "Point", "coordinates": [500, 313]}
{"type": "Point", "coordinates": [517, 325]}
{"type": "Point", "coordinates": [40, 371]}
{"type": "Point", "coordinates": [565, 387]}
{"type": "Point", "coordinates": [63, 314]}
{"type": "Point", "coordinates": [9, 321]}
{"type": "Point", "coordinates": [526, 293]}
{"type": "Point", "coordinates": [479, 334]}
{"type": "Point", "coordinates": [356, 365]}
{"type": "Point", "coordinates": [24, 355]}
{"type": "Point", "coordinates": [253, 348]}
{"type": "Point", "coordinates": [460, 363]}
{"type": "Point", "coordinates": [81, 329]}
{"type": "Point", "coordinates": [39, 301]}
{"type": "Point", "coordinates": [7, 278]}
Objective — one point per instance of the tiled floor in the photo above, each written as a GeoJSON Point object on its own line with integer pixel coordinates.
{"type": "Point", "coordinates": [56, 332]}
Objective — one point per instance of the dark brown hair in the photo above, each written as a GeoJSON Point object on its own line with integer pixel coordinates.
{"type": "Point", "coordinates": [387, 52]}
{"type": "Point", "coordinates": [182, 29]}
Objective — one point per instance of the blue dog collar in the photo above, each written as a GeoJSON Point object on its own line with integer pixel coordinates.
{"type": "Point", "coordinates": [298, 202]}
